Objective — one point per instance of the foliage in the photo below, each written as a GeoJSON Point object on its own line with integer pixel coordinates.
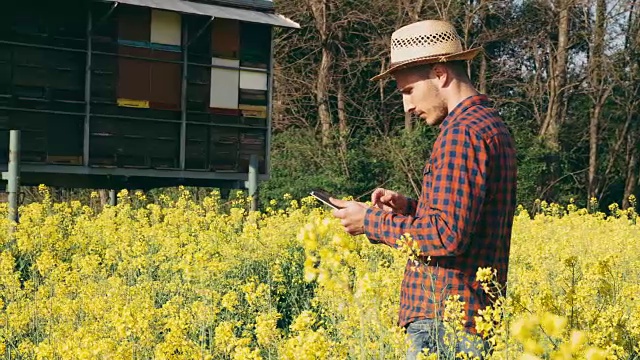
{"type": "Point", "coordinates": [345, 44]}
{"type": "Point", "coordinates": [183, 279]}
{"type": "Point", "coordinates": [300, 164]}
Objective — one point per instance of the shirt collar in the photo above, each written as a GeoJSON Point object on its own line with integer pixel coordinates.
{"type": "Point", "coordinates": [463, 106]}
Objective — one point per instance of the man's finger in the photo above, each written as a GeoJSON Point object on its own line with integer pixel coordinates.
{"type": "Point", "coordinates": [354, 231]}
{"type": "Point", "coordinates": [377, 193]}
{"type": "Point", "coordinates": [378, 203]}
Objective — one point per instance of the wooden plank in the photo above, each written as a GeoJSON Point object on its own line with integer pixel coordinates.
{"type": "Point", "coordinates": [253, 97]}
{"type": "Point", "coordinates": [134, 23]}
{"type": "Point", "coordinates": [163, 163]}
{"type": "Point", "coordinates": [225, 38]}
{"type": "Point", "coordinates": [224, 149]}
{"type": "Point", "coordinates": [67, 160]}
{"type": "Point", "coordinates": [197, 147]}
{"type": "Point", "coordinates": [134, 75]}
{"type": "Point", "coordinates": [226, 119]}
{"type": "Point", "coordinates": [198, 87]}
{"type": "Point", "coordinates": [255, 45]}
{"type": "Point", "coordinates": [30, 76]}
{"type": "Point", "coordinates": [64, 135]}
{"type": "Point", "coordinates": [166, 80]}
{"type": "Point", "coordinates": [5, 77]}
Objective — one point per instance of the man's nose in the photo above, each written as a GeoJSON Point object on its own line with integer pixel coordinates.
{"type": "Point", "coordinates": [408, 106]}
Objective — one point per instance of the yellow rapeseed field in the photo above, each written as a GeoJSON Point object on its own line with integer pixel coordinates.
{"type": "Point", "coordinates": [185, 279]}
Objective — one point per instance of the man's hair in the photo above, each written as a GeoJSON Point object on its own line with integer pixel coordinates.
{"type": "Point", "coordinates": [457, 67]}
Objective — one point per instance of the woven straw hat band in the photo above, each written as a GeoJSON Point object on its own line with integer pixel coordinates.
{"type": "Point", "coordinates": [424, 39]}
{"type": "Point", "coordinates": [425, 42]}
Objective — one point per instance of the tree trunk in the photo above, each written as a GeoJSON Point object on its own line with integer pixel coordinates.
{"type": "Point", "coordinates": [414, 8]}
{"type": "Point", "coordinates": [482, 76]}
{"type": "Point", "coordinates": [621, 138]}
{"type": "Point", "coordinates": [597, 88]}
{"type": "Point", "coordinates": [632, 172]}
{"type": "Point", "coordinates": [408, 122]}
{"type": "Point", "coordinates": [632, 41]}
{"type": "Point", "coordinates": [558, 68]}
{"type": "Point", "coordinates": [342, 115]}
{"type": "Point", "coordinates": [593, 151]}
{"type": "Point", "coordinates": [319, 9]}
{"type": "Point", "coordinates": [322, 95]}
{"type": "Point", "coordinates": [383, 110]}
{"type": "Point", "coordinates": [342, 118]}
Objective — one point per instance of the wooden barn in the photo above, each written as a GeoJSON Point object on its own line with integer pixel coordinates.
{"type": "Point", "coordinates": [137, 93]}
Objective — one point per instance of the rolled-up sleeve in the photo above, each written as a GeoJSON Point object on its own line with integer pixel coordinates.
{"type": "Point", "coordinates": [456, 196]}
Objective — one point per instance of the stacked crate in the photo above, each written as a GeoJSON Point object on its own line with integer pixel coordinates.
{"type": "Point", "coordinates": [226, 97]}
{"type": "Point", "coordinates": [141, 128]}
{"type": "Point", "coordinates": [42, 83]}
{"type": "Point", "coordinates": [136, 73]}
{"type": "Point", "coordinates": [239, 92]}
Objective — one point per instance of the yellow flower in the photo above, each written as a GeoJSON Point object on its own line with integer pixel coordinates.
{"type": "Point", "coordinates": [183, 279]}
{"type": "Point", "coordinates": [224, 337]}
{"type": "Point", "coordinates": [266, 331]}
{"type": "Point", "coordinates": [485, 274]}
{"type": "Point", "coordinates": [595, 354]}
{"type": "Point", "coordinates": [553, 325]}
{"type": "Point", "coordinates": [230, 300]}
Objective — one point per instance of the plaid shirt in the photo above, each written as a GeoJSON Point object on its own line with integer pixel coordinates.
{"type": "Point", "coordinates": [463, 218]}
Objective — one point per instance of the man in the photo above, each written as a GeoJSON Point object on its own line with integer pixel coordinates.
{"type": "Point", "coordinates": [463, 218]}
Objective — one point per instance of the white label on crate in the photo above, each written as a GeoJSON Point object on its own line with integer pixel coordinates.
{"type": "Point", "coordinates": [252, 80]}
{"type": "Point", "coordinates": [166, 27]}
{"type": "Point", "coordinates": [224, 84]}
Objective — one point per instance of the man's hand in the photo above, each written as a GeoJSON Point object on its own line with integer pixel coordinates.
{"type": "Point", "coordinates": [351, 215]}
{"type": "Point", "coordinates": [389, 200]}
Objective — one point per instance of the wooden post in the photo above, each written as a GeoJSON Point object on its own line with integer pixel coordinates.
{"type": "Point", "coordinates": [253, 181]}
{"type": "Point", "coordinates": [13, 186]}
{"type": "Point", "coordinates": [113, 197]}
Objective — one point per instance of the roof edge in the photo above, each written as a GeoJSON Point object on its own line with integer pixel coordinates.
{"type": "Point", "coordinates": [220, 11]}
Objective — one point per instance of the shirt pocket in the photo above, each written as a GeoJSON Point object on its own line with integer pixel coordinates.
{"type": "Point", "coordinates": [426, 171]}
{"type": "Point", "coordinates": [427, 180]}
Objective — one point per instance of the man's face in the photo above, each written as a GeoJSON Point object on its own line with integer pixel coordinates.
{"type": "Point", "coordinates": [421, 94]}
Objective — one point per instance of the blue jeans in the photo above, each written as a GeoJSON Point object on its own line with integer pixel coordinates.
{"type": "Point", "coordinates": [429, 335]}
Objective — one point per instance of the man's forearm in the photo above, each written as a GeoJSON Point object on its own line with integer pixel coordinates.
{"type": "Point", "coordinates": [435, 233]}
{"type": "Point", "coordinates": [458, 186]}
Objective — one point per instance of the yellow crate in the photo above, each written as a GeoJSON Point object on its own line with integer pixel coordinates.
{"type": "Point", "coordinates": [73, 160]}
{"type": "Point", "coordinates": [142, 104]}
{"type": "Point", "coordinates": [252, 107]}
{"type": "Point", "coordinates": [254, 114]}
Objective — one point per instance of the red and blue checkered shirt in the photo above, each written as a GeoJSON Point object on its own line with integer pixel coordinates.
{"type": "Point", "coordinates": [463, 218]}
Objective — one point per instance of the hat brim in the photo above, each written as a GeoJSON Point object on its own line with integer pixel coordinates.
{"type": "Point", "coordinates": [464, 55]}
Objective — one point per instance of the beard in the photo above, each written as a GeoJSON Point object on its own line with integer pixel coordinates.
{"type": "Point", "coordinates": [437, 110]}
{"type": "Point", "coordinates": [435, 115]}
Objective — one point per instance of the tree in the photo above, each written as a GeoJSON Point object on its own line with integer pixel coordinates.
{"type": "Point", "coordinates": [599, 91]}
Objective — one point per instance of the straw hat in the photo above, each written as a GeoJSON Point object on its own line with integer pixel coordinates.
{"type": "Point", "coordinates": [425, 42]}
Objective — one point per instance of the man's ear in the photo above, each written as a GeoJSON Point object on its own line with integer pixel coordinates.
{"type": "Point", "coordinates": [442, 74]}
